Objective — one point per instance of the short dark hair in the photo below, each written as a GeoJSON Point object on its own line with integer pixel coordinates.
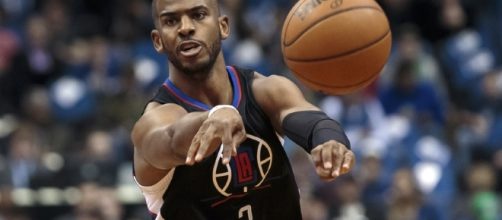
{"type": "Point", "coordinates": [155, 12]}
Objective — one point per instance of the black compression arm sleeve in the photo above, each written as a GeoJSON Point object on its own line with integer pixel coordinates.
{"type": "Point", "coordinates": [312, 128]}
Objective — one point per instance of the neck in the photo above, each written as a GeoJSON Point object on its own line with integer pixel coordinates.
{"type": "Point", "coordinates": [212, 88]}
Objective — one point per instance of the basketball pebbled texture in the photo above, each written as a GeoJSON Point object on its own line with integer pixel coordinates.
{"type": "Point", "coordinates": [336, 46]}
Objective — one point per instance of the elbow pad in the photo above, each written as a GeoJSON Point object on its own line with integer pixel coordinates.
{"type": "Point", "coordinates": [312, 128]}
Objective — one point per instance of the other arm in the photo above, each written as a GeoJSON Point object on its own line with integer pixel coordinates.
{"type": "Point", "coordinates": [305, 124]}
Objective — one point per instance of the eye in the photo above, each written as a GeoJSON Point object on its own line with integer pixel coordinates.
{"type": "Point", "coordinates": [170, 21]}
{"type": "Point", "coordinates": [199, 15]}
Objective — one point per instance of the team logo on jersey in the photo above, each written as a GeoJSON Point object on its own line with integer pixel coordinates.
{"type": "Point", "coordinates": [242, 166]}
{"type": "Point", "coordinates": [246, 171]}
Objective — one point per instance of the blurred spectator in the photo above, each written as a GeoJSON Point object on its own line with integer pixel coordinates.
{"type": "Point", "coordinates": [9, 82]}
{"type": "Point", "coordinates": [103, 76]}
{"type": "Point", "coordinates": [398, 12]}
{"type": "Point", "coordinates": [123, 107]}
{"type": "Point", "coordinates": [492, 87]}
{"type": "Point", "coordinates": [9, 46]}
{"type": "Point", "coordinates": [72, 101]}
{"type": "Point", "coordinates": [35, 106]}
{"type": "Point", "coordinates": [438, 19]}
{"type": "Point", "coordinates": [373, 187]}
{"type": "Point", "coordinates": [470, 60]}
{"type": "Point", "coordinates": [24, 155]}
{"type": "Point", "coordinates": [96, 162]}
{"type": "Point", "coordinates": [484, 202]}
{"type": "Point", "coordinates": [350, 205]}
{"type": "Point", "coordinates": [132, 21]}
{"type": "Point", "coordinates": [248, 53]}
{"type": "Point", "coordinates": [406, 201]}
{"type": "Point", "coordinates": [433, 169]}
{"type": "Point", "coordinates": [467, 59]}
{"type": "Point", "coordinates": [362, 116]}
{"type": "Point", "coordinates": [413, 98]}
{"type": "Point", "coordinates": [96, 203]}
{"type": "Point", "coordinates": [56, 13]}
{"type": "Point", "coordinates": [34, 65]}
{"type": "Point", "coordinates": [17, 10]}
{"type": "Point", "coordinates": [410, 47]}
{"type": "Point", "coordinates": [38, 62]}
{"type": "Point", "coordinates": [480, 201]}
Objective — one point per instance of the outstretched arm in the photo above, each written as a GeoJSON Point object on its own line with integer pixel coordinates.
{"type": "Point", "coordinates": [305, 124]}
{"type": "Point", "coordinates": [164, 137]}
{"type": "Point", "coordinates": [164, 132]}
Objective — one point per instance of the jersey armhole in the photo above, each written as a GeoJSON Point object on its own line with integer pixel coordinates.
{"type": "Point", "coordinates": [262, 113]}
{"type": "Point", "coordinates": [160, 186]}
{"type": "Point", "coordinates": [154, 194]}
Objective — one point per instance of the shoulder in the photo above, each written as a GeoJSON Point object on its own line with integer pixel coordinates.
{"type": "Point", "coordinates": [273, 84]}
{"type": "Point", "coordinates": [261, 81]}
{"type": "Point", "coordinates": [275, 92]}
{"type": "Point", "coordinates": [156, 107]}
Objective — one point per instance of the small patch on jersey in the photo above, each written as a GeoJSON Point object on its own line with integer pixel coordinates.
{"type": "Point", "coordinates": [243, 167]}
{"type": "Point", "coordinates": [246, 171]}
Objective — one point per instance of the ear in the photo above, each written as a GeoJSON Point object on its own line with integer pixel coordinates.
{"type": "Point", "coordinates": [157, 41]}
{"type": "Point", "coordinates": [224, 27]}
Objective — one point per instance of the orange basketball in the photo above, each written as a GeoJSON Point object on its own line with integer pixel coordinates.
{"type": "Point", "coordinates": [336, 46]}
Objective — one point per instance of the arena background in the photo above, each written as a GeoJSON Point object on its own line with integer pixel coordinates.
{"type": "Point", "coordinates": [76, 74]}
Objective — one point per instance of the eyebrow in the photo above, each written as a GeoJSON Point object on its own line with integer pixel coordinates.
{"type": "Point", "coordinates": [172, 13]}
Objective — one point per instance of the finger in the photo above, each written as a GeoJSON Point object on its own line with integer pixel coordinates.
{"type": "Point", "coordinates": [228, 146]}
{"type": "Point", "coordinates": [327, 155]}
{"type": "Point", "coordinates": [190, 160]}
{"type": "Point", "coordinates": [316, 155]}
{"type": "Point", "coordinates": [226, 154]}
{"type": "Point", "coordinates": [348, 162]}
{"type": "Point", "coordinates": [201, 151]}
{"type": "Point", "coordinates": [205, 142]}
{"type": "Point", "coordinates": [323, 173]}
{"type": "Point", "coordinates": [338, 152]}
{"type": "Point", "coordinates": [238, 138]}
{"type": "Point", "coordinates": [193, 148]}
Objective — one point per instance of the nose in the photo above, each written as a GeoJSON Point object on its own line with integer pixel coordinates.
{"type": "Point", "coordinates": [187, 27]}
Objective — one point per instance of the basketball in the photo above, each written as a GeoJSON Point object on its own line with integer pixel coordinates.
{"type": "Point", "coordinates": [336, 46]}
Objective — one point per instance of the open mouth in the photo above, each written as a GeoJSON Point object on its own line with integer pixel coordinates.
{"type": "Point", "coordinates": [190, 48]}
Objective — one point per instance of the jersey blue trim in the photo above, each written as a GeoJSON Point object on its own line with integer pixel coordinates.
{"type": "Point", "coordinates": [236, 87]}
{"type": "Point", "coordinates": [184, 97]}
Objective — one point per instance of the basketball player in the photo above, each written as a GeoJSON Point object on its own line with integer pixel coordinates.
{"type": "Point", "coordinates": [208, 145]}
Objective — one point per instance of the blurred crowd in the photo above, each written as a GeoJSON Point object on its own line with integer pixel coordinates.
{"type": "Point", "coordinates": [75, 76]}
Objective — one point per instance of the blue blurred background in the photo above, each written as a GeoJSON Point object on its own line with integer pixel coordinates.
{"type": "Point", "coordinates": [76, 74]}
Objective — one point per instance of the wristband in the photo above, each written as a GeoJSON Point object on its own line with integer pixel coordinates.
{"type": "Point", "coordinates": [309, 129]}
{"type": "Point", "coordinates": [218, 107]}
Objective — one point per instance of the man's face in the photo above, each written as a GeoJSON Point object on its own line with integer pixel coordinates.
{"type": "Point", "coordinates": [189, 32]}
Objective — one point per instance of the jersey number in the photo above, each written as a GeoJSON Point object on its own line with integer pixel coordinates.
{"type": "Point", "coordinates": [246, 209]}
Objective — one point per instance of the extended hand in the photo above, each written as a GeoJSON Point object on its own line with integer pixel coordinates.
{"type": "Point", "coordinates": [332, 159]}
{"type": "Point", "coordinates": [224, 127]}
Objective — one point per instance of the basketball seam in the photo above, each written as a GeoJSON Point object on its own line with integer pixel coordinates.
{"type": "Point", "coordinates": [346, 86]}
{"type": "Point", "coordinates": [289, 19]}
{"type": "Point", "coordinates": [340, 54]}
{"type": "Point", "coordinates": [337, 87]}
{"type": "Point", "coordinates": [322, 18]}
